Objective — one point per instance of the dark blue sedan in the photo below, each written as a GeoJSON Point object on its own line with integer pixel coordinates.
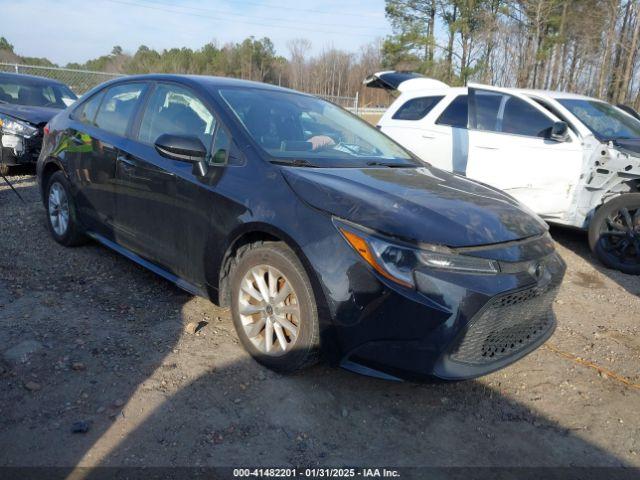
{"type": "Point", "coordinates": [323, 235]}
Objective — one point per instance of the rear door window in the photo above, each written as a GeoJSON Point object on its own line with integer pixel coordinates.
{"type": "Point", "coordinates": [456, 114]}
{"type": "Point", "coordinates": [118, 106]}
{"type": "Point", "coordinates": [416, 108]}
{"type": "Point", "coordinates": [86, 113]}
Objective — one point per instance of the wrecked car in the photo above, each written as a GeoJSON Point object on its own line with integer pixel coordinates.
{"type": "Point", "coordinates": [324, 236]}
{"type": "Point", "coordinates": [572, 159]}
{"type": "Point", "coordinates": [27, 103]}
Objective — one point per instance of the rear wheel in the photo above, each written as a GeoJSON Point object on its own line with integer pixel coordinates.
{"type": "Point", "coordinates": [614, 233]}
{"type": "Point", "coordinates": [61, 212]}
{"type": "Point", "coordinates": [273, 307]}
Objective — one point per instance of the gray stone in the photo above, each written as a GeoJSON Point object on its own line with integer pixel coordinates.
{"type": "Point", "coordinates": [20, 353]}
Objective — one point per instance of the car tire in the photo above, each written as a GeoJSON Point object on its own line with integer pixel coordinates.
{"type": "Point", "coordinates": [62, 219]}
{"type": "Point", "coordinates": [281, 332]}
{"type": "Point", "coordinates": [614, 233]}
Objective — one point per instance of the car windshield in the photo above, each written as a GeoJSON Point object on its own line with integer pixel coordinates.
{"type": "Point", "coordinates": [34, 94]}
{"type": "Point", "coordinates": [603, 119]}
{"type": "Point", "coordinates": [306, 130]}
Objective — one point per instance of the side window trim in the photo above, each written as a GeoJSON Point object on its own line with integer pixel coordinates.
{"type": "Point", "coordinates": [220, 126]}
{"type": "Point", "coordinates": [134, 131]}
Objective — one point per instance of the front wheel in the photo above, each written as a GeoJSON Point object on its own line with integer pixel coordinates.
{"type": "Point", "coordinates": [273, 307]}
{"type": "Point", "coordinates": [614, 233]}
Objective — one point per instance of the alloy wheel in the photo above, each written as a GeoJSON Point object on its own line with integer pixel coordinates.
{"type": "Point", "coordinates": [269, 310]}
{"type": "Point", "coordinates": [58, 209]}
{"type": "Point", "coordinates": [620, 236]}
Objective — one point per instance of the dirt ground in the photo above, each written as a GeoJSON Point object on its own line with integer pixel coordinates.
{"type": "Point", "coordinates": [89, 340]}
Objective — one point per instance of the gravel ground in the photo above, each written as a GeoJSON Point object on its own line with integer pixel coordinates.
{"type": "Point", "coordinates": [91, 342]}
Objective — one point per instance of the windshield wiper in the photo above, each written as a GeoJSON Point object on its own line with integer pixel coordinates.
{"type": "Point", "coordinates": [374, 163]}
{"type": "Point", "coordinates": [294, 163]}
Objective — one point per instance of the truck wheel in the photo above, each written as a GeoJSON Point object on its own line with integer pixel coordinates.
{"type": "Point", "coordinates": [61, 212]}
{"type": "Point", "coordinates": [614, 233]}
{"type": "Point", "coordinates": [273, 307]}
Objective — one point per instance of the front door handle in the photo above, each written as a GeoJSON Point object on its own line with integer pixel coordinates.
{"type": "Point", "coordinates": [486, 147]}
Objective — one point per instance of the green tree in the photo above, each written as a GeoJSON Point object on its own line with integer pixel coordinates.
{"type": "Point", "coordinates": [5, 45]}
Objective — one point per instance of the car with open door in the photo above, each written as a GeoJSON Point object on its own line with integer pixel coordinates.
{"type": "Point", "coordinates": [323, 235]}
{"type": "Point", "coordinates": [572, 159]}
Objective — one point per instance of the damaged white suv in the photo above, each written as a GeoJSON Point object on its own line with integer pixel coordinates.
{"type": "Point", "coordinates": [572, 159]}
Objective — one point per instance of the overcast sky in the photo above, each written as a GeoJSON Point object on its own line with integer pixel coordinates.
{"type": "Point", "coordinates": [77, 30]}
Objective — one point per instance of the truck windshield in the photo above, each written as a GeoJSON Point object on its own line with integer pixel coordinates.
{"type": "Point", "coordinates": [305, 130]}
{"type": "Point", "coordinates": [603, 119]}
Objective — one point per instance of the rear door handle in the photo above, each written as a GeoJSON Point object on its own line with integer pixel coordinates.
{"type": "Point", "coordinates": [126, 161]}
{"type": "Point", "coordinates": [485, 147]}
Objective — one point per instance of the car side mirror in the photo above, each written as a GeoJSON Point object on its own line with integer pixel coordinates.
{"type": "Point", "coordinates": [184, 149]}
{"type": "Point", "coordinates": [559, 132]}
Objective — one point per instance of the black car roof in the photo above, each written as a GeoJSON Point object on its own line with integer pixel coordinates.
{"type": "Point", "coordinates": [28, 79]}
{"type": "Point", "coordinates": [204, 80]}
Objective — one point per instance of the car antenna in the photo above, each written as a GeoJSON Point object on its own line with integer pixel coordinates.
{"type": "Point", "coordinates": [12, 188]}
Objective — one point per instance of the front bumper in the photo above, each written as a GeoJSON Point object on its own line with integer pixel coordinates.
{"type": "Point", "coordinates": [507, 328]}
{"type": "Point", "coordinates": [17, 150]}
{"type": "Point", "coordinates": [464, 325]}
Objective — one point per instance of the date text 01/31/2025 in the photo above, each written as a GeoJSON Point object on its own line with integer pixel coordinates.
{"type": "Point", "coordinates": [315, 473]}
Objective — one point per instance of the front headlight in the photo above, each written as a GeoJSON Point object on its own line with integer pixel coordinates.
{"type": "Point", "coordinates": [397, 262]}
{"type": "Point", "coordinates": [14, 126]}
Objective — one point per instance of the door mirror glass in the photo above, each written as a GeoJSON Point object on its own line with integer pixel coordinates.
{"type": "Point", "coordinates": [181, 147]}
{"type": "Point", "coordinates": [559, 132]}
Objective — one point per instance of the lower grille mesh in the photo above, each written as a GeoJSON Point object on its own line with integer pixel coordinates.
{"type": "Point", "coordinates": [506, 325]}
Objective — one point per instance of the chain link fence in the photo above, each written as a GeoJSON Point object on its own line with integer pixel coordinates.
{"type": "Point", "coordinates": [350, 103]}
{"type": "Point", "coordinates": [80, 81]}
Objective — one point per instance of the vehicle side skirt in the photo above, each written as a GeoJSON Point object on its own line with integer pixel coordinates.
{"type": "Point", "coordinates": [179, 282]}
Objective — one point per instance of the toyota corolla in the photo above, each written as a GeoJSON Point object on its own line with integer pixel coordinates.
{"type": "Point", "coordinates": [325, 237]}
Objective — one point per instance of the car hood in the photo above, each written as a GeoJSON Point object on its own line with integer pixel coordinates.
{"type": "Point", "coordinates": [34, 115]}
{"type": "Point", "coordinates": [420, 204]}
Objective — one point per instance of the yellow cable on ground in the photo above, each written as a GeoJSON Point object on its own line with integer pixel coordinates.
{"type": "Point", "coordinates": [586, 363]}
